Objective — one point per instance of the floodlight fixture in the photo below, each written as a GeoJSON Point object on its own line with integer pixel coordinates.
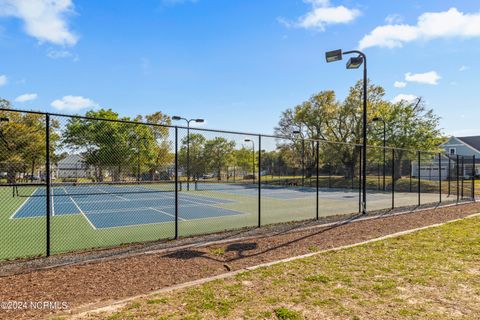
{"type": "Point", "coordinates": [334, 55]}
{"type": "Point", "coordinates": [354, 62]}
{"type": "Point", "coordinates": [176, 118]}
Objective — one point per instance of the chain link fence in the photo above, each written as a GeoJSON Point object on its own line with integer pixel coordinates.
{"type": "Point", "coordinates": [72, 183]}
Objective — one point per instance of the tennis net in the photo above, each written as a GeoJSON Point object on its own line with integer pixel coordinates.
{"type": "Point", "coordinates": [95, 188]}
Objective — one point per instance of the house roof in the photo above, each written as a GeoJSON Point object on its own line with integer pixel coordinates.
{"type": "Point", "coordinates": [473, 141]}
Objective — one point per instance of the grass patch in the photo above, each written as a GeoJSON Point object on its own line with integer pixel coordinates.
{"type": "Point", "coordinates": [430, 274]}
{"type": "Point", "coordinates": [318, 278]}
{"type": "Point", "coordinates": [217, 251]}
{"type": "Point", "coordinates": [287, 314]}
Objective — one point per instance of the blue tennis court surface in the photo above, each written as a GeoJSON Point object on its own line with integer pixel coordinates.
{"type": "Point", "coordinates": [108, 207]}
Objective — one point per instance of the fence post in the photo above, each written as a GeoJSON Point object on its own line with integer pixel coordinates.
{"type": "Point", "coordinates": [463, 176]}
{"type": "Point", "coordinates": [473, 177]}
{"type": "Point", "coordinates": [329, 175]}
{"type": "Point", "coordinates": [378, 176]}
{"type": "Point", "coordinates": [440, 176]}
{"type": "Point", "coordinates": [449, 174]}
{"type": "Point", "coordinates": [393, 178]}
{"type": "Point", "coordinates": [458, 181]}
{"type": "Point", "coordinates": [176, 182]}
{"type": "Point", "coordinates": [47, 178]}
{"type": "Point", "coordinates": [318, 171]}
{"type": "Point", "coordinates": [410, 173]}
{"type": "Point", "coordinates": [259, 181]}
{"type": "Point", "coordinates": [418, 178]}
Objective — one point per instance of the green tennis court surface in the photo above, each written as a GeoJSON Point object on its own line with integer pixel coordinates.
{"type": "Point", "coordinates": [92, 216]}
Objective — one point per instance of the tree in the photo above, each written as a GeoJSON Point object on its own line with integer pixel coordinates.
{"type": "Point", "coordinates": [23, 141]}
{"type": "Point", "coordinates": [218, 154]}
{"type": "Point", "coordinates": [197, 161]}
{"type": "Point", "coordinates": [243, 159]}
{"type": "Point", "coordinates": [163, 157]}
{"type": "Point", "coordinates": [409, 125]}
{"type": "Point", "coordinates": [109, 145]}
{"type": "Point", "coordinates": [324, 117]}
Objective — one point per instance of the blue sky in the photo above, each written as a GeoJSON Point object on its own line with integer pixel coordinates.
{"type": "Point", "coordinates": [236, 63]}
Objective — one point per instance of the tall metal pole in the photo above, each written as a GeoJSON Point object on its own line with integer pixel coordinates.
{"type": "Point", "coordinates": [47, 179]}
{"type": "Point", "coordinates": [364, 150]}
{"type": "Point", "coordinates": [393, 178]}
{"type": "Point", "coordinates": [360, 182]}
{"type": "Point", "coordinates": [188, 155]}
{"type": "Point", "coordinates": [364, 145]}
{"type": "Point", "coordinates": [317, 182]}
{"type": "Point", "coordinates": [419, 172]}
{"type": "Point", "coordinates": [259, 179]}
{"type": "Point", "coordinates": [176, 182]}
{"type": "Point", "coordinates": [384, 151]}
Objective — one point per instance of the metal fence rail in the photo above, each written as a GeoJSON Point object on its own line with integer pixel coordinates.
{"type": "Point", "coordinates": [70, 183]}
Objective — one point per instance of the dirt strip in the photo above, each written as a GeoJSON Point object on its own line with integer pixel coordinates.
{"type": "Point", "coordinates": [95, 283]}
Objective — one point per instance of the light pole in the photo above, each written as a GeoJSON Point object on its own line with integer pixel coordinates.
{"type": "Point", "coordinates": [299, 132]}
{"type": "Point", "coordinates": [177, 118]}
{"type": "Point", "coordinates": [253, 157]}
{"type": "Point", "coordinates": [355, 63]}
{"type": "Point", "coordinates": [376, 119]}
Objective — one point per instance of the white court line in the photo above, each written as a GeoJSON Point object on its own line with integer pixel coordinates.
{"type": "Point", "coordinates": [103, 211]}
{"type": "Point", "coordinates": [21, 206]}
{"type": "Point", "coordinates": [112, 194]}
{"type": "Point", "coordinates": [83, 213]}
{"type": "Point", "coordinates": [168, 214]}
{"type": "Point", "coordinates": [212, 201]}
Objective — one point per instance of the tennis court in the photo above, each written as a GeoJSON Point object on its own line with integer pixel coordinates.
{"type": "Point", "coordinates": [109, 206]}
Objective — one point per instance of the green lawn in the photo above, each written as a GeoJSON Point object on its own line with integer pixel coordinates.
{"type": "Point", "coordinates": [430, 274]}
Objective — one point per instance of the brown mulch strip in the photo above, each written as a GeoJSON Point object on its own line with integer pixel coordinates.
{"type": "Point", "coordinates": [119, 278]}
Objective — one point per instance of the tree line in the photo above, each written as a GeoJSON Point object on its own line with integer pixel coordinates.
{"type": "Point", "coordinates": [123, 150]}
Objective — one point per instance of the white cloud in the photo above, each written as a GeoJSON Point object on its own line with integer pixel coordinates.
{"type": "Point", "coordinates": [399, 84]}
{"type": "Point", "coordinates": [73, 103]}
{"type": "Point", "coordinates": [393, 18]}
{"type": "Point", "coordinates": [26, 97]}
{"type": "Point", "coordinates": [3, 80]}
{"type": "Point", "coordinates": [430, 25]}
{"type": "Point", "coordinates": [463, 68]}
{"type": "Point", "coordinates": [431, 77]}
{"type": "Point", "coordinates": [61, 54]}
{"type": "Point", "coordinates": [404, 97]}
{"type": "Point", "coordinates": [44, 20]}
{"type": "Point", "coordinates": [321, 15]}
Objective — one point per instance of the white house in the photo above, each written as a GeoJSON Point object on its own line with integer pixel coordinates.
{"type": "Point", "coordinates": [461, 153]}
{"type": "Point", "coordinates": [73, 166]}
